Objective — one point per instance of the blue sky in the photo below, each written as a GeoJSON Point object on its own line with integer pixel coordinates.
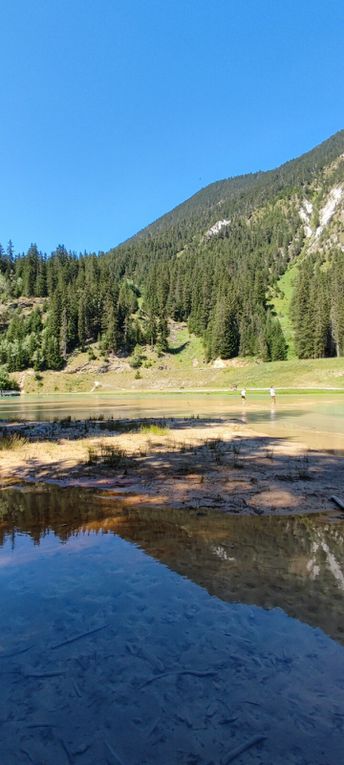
{"type": "Point", "coordinates": [114, 111]}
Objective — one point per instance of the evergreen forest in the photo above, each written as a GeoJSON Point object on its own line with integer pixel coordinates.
{"type": "Point", "coordinates": [215, 262]}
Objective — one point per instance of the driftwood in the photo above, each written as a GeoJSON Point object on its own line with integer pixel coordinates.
{"type": "Point", "coordinates": [338, 502]}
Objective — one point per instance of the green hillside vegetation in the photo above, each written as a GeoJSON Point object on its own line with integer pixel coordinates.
{"type": "Point", "coordinates": [280, 299]}
{"type": "Point", "coordinates": [233, 286]}
{"type": "Point", "coordinates": [242, 194]}
{"type": "Point", "coordinates": [182, 368]}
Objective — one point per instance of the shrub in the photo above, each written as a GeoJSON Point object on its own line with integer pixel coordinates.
{"type": "Point", "coordinates": [154, 429]}
{"type": "Point", "coordinates": [12, 441]}
{"type": "Point", "coordinates": [107, 454]}
{"type": "Point", "coordinates": [137, 358]}
{"type": "Point", "coordinates": [6, 382]}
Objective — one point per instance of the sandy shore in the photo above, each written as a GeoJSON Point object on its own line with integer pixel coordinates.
{"type": "Point", "coordinates": [177, 462]}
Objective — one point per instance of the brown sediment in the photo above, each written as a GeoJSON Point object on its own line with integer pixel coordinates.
{"type": "Point", "coordinates": [224, 466]}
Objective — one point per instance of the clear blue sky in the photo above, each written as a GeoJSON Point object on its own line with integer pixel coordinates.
{"type": "Point", "coordinates": [114, 111]}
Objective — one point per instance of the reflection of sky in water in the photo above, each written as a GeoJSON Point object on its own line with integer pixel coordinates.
{"type": "Point", "coordinates": [107, 656]}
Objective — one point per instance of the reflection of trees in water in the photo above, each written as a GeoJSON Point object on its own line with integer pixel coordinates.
{"type": "Point", "coordinates": [38, 513]}
{"type": "Point", "coordinates": [293, 563]}
{"type": "Point", "coordinates": [321, 549]}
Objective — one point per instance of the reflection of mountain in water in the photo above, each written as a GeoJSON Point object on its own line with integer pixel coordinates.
{"type": "Point", "coordinates": [293, 563]}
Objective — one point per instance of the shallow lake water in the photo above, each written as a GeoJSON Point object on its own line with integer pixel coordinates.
{"type": "Point", "coordinates": [316, 420]}
{"type": "Point", "coordinates": [144, 637]}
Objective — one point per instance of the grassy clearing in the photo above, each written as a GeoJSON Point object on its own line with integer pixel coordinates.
{"type": "Point", "coordinates": [183, 367]}
{"type": "Point", "coordinates": [281, 304]}
{"type": "Point", "coordinates": [293, 374]}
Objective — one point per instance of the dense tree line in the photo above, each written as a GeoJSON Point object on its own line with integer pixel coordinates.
{"type": "Point", "coordinates": [83, 299]}
{"type": "Point", "coordinates": [217, 285]}
{"type": "Point", "coordinates": [173, 269]}
{"type": "Point", "coordinates": [318, 306]}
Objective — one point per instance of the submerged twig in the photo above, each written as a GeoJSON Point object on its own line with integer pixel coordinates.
{"type": "Point", "coordinates": [28, 755]}
{"type": "Point", "coordinates": [43, 674]}
{"type": "Point", "coordinates": [78, 637]}
{"type": "Point", "coordinates": [67, 752]}
{"type": "Point", "coordinates": [115, 759]}
{"type": "Point", "coordinates": [77, 689]}
{"type": "Point", "coordinates": [15, 653]}
{"type": "Point", "coordinates": [176, 674]}
{"type": "Point", "coordinates": [243, 748]}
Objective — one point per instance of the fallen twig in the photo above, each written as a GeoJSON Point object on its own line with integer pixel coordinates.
{"type": "Point", "coordinates": [67, 752]}
{"type": "Point", "coordinates": [176, 674]}
{"type": "Point", "coordinates": [243, 748]}
{"type": "Point", "coordinates": [78, 637]}
{"type": "Point", "coordinates": [43, 674]}
{"type": "Point", "coordinates": [15, 653]}
{"type": "Point", "coordinates": [115, 759]}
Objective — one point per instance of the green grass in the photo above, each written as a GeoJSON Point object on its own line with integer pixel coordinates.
{"type": "Point", "coordinates": [107, 454]}
{"type": "Point", "coordinates": [293, 374]}
{"type": "Point", "coordinates": [281, 305]}
{"type": "Point", "coordinates": [154, 430]}
{"type": "Point", "coordinates": [191, 348]}
{"type": "Point", "coordinates": [12, 442]}
{"type": "Point", "coordinates": [183, 367]}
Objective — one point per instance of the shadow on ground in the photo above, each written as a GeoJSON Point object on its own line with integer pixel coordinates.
{"type": "Point", "coordinates": [235, 473]}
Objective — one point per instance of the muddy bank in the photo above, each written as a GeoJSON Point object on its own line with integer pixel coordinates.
{"type": "Point", "coordinates": [176, 462]}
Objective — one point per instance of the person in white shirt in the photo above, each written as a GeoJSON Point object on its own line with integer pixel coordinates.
{"type": "Point", "coordinates": [273, 394]}
{"type": "Point", "coordinates": [243, 394]}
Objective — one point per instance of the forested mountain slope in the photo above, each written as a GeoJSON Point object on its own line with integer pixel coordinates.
{"type": "Point", "coordinates": [244, 193]}
{"type": "Point", "coordinates": [217, 262]}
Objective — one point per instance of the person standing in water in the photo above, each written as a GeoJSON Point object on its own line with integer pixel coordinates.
{"type": "Point", "coordinates": [243, 394]}
{"type": "Point", "coordinates": [273, 394]}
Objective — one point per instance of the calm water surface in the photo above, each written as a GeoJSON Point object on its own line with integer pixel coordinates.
{"type": "Point", "coordinates": [144, 637]}
{"type": "Point", "coordinates": [316, 420]}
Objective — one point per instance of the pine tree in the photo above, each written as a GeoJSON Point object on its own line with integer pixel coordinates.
{"type": "Point", "coordinates": [110, 326]}
{"type": "Point", "coordinates": [276, 345]}
{"type": "Point", "coordinates": [302, 311]}
{"type": "Point", "coordinates": [82, 320]}
{"type": "Point", "coordinates": [337, 303]}
{"type": "Point", "coordinates": [63, 334]}
{"type": "Point", "coordinates": [223, 337]}
{"type": "Point", "coordinates": [9, 258]}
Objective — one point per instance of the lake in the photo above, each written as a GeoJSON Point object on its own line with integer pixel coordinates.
{"type": "Point", "coordinates": [142, 637]}
{"type": "Point", "coordinates": [316, 420]}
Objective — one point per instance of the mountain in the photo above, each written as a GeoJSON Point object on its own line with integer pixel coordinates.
{"type": "Point", "coordinates": [231, 242]}
{"type": "Point", "coordinates": [244, 193]}
{"type": "Point", "coordinates": [253, 264]}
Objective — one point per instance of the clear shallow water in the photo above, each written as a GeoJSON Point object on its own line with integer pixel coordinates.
{"type": "Point", "coordinates": [143, 637]}
{"type": "Point", "coordinates": [316, 420]}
